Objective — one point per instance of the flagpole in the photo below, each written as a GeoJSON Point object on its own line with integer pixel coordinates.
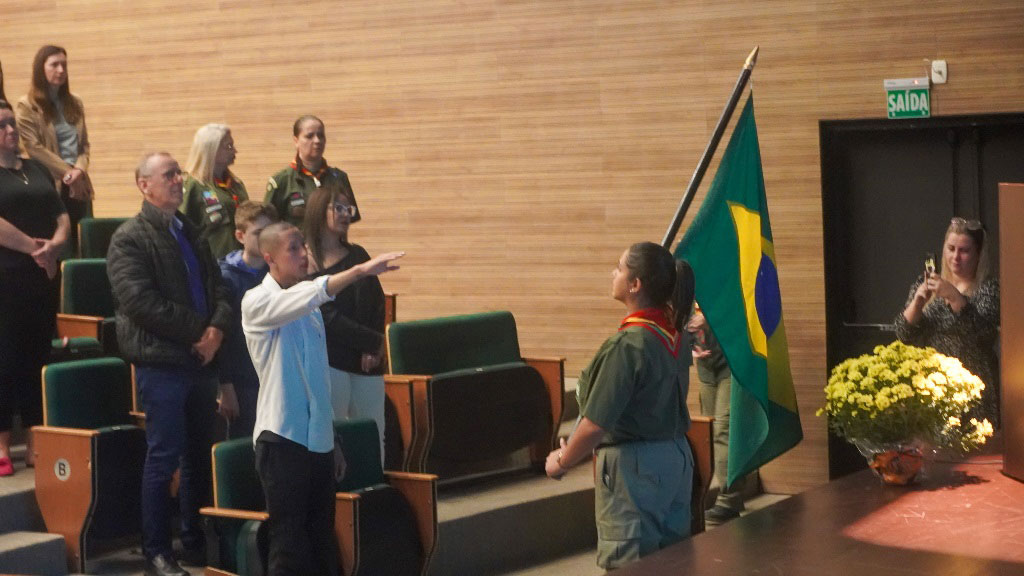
{"type": "Point", "coordinates": [709, 152]}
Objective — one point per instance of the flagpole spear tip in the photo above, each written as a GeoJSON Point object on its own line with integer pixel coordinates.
{"type": "Point", "coordinates": [752, 59]}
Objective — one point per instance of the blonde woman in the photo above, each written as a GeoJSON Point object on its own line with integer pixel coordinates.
{"type": "Point", "coordinates": [957, 311]}
{"type": "Point", "coordinates": [212, 191]}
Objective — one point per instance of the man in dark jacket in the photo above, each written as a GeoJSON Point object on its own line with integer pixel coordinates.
{"type": "Point", "coordinates": [172, 312]}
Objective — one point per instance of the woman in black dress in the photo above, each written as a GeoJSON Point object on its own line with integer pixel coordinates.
{"type": "Point", "coordinates": [33, 229]}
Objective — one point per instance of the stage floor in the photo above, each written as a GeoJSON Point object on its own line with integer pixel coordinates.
{"type": "Point", "coordinates": [964, 519]}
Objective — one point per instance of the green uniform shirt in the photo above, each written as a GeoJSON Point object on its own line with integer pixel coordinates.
{"type": "Point", "coordinates": [212, 209]}
{"type": "Point", "coordinates": [714, 368]}
{"type": "Point", "coordinates": [289, 189]}
{"type": "Point", "coordinates": [635, 389]}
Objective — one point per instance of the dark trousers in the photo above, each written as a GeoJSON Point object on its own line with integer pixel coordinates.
{"type": "Point", "coordinates": [181, 408]}
{"type": "Point", "coordinates": [299, 490]}
{"type": "Point", "coordinates": [28, 309]}
{"type": "Point", "coordinates": [242, 425]}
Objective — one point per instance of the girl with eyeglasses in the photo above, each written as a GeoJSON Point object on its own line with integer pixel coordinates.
{"type": "Point", "coordinates": [354, 320]}
{"type": "Point", "coordinates": [212, 191]}
{"type": "Point", "coordinates": [956, 311]}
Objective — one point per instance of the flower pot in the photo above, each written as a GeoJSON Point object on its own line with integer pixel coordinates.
{"type": "Point", "coordinates": [895, 464]}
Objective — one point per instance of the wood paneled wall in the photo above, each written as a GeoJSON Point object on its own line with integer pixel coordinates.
{"type": "Point", "coordinates": [515, 148]}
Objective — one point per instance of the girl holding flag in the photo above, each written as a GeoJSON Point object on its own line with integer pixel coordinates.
{"type": "Point", "coordinates": [633, 413]}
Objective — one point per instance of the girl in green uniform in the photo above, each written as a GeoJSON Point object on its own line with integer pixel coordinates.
{"type": "Point", "coordinates": [289, 190]}
{"type": "Point", "coordinates": [633, 413]}
{"type": "Point", "coordinates": [212, 191]}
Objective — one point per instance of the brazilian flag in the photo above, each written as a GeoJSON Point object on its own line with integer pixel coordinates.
{"type": "Point", "coordinates": [729, 245]}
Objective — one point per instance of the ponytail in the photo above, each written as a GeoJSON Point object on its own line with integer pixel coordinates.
{"type": "Point", "coordinates": [667, 282]}
{"type": "Point", "coordinates": [682, 295]}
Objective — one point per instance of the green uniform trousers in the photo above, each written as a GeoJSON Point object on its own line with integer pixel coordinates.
{"type": "Point", "coordinates": [715, 398]}
{"type": "Point", "coordinates": [642, 499]}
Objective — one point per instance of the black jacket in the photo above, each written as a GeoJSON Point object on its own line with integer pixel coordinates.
{"type": "Point", "coordinates": [156, 323]}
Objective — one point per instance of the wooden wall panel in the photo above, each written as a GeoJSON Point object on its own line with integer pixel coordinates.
{"type": "Point", "coordinates": [515, 148]}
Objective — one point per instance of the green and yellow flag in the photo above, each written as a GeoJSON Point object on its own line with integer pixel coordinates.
{"type": "Point", "coordinates": [729, 245]}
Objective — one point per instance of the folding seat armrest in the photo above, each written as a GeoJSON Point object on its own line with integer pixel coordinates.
{"type": "Point", "coordinates": [234, 513]}
{"type": "Point", "coordinates": [78, 326]}
{"type": "Point", "coordinates": [552, 371]}
{"type": "Point", "coordinates": [346, 530]}
{"type": "Point", "coordinates": [420, 491]}
{"type": "Point", "coordinates": [138, 417]}
{"type": "Point", "coordinates": [410, 396]}
{"type": "Point", "coordinates": [390, 307]}
{"type": "Point", "coordinates": [701, 444]}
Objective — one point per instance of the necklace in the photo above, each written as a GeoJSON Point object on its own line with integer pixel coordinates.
{"type": "Point", "coordinates": [19, 173]}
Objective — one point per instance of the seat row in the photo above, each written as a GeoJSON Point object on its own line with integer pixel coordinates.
{"type": "Point", "coordinates": [89, 471]}
{"type": "Point", "coordinates": [461, 402]}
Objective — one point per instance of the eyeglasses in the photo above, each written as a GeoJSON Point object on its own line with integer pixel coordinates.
{"type": "Point", "coordinates": [964, 223]}
{"type": "Point", "coordinates": [171, 174]}
{"type": "Point", "coordinates": [344, 210]}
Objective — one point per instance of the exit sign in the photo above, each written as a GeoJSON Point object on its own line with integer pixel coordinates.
{"type": "Point", "coordinates": [907, 98]}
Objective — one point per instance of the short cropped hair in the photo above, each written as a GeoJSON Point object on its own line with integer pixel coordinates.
{"type": "Point", "coordinates": [249, 211]}
{"type": "Point", "coordinates": [270, 238]}
{"type": "Point", "coordinates": [142, 168]}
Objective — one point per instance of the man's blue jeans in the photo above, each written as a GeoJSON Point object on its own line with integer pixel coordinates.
{"type": "Point", "coordinates": [181, 408]}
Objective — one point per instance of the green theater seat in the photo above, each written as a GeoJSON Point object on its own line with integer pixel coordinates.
{"type": "Point", "coordinates": [87, 303]}
{"type": "Point", "coordinates": [88, 455]}
{"type": "Point", "coordinates": [385, 522]}
{"type": "Point", "coordinates": [462, 399]}
{"type": "Point", "coordinates": [64, 350]}
{"type": "Point", "coordinates": [94, 236]}
{"type": "Point", "coordinates": [236, 524]}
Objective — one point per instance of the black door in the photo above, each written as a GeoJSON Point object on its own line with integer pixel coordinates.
{"type": "Point", "coordinates": [889, 189]}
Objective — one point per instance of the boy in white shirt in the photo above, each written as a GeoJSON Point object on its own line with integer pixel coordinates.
{"type": "Point", "coordinates": [294, 432]}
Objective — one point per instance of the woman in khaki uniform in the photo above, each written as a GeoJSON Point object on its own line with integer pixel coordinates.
{"type": "Point", "coordinates": [52, 124]}
{"type": "Point", "coordinates": [633, 413]}
{"type": "Point", "coordinates": [212, 191]}
{"type": "Point", "coordinates": [289, 190]}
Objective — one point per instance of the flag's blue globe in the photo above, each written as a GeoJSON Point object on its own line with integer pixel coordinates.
{"type": "Point", "coordinates": [766, 296]}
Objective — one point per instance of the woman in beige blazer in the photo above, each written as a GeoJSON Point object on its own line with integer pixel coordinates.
{"type": "Point", "coordinates": [52, 124]}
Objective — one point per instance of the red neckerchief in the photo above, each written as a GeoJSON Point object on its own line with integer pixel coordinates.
{"type": "Point", "coordinates": [298, 167]}
{"type": "Point", "coordinates": [657, 323]}
{"type": "Point", "coordinates": [226, 186]}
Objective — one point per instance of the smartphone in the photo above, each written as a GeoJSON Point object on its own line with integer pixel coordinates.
{"type": "Point", "coordinates": [929, 264]}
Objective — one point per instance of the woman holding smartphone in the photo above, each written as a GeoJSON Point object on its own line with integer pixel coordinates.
{"type": "Point", "coordinates": [956, 311]}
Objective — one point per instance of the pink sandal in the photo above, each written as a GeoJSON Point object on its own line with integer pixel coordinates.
{"type": "Point", "coordinates": [6, 467]}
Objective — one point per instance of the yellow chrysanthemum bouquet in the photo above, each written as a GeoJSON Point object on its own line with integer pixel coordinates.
{"type": "Point", "coordinates": [905, 395]}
